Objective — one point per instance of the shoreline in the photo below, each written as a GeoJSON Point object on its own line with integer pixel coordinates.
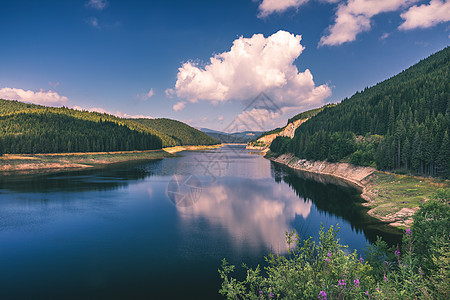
{"type": "Point", "coordinates": [45, 163]}
{"type": "Point", "coordinates": [176, 149]}
{"type": "Point", "coordinates": [391, 198]}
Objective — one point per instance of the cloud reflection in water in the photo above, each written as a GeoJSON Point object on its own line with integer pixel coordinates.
{"type": "Point", "coordinates": [253, 212]}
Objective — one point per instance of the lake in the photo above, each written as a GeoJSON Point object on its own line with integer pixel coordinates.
{"type": "Point", "coordinates": [159, 229]}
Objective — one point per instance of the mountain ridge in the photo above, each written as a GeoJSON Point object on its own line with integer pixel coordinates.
{"type": "Point", "coordinates": [235, 137]}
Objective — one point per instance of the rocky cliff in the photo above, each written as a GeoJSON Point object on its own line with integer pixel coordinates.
{"type": "Point", "coordinates": [344, 171]}
{"type": "Point", "coordinates": [264, 142]}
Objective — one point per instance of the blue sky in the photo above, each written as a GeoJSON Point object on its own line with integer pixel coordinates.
{"type": "Point", "coordinates": [153, 58]}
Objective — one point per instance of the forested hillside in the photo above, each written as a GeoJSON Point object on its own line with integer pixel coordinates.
{"type": "Point", "coordinates": [49, 132]}
{"type": "Point", "coordinates": [179, 132]}
{"type": "Point", "coordinates": [29, 128]}
{"type": "Point", "coordinates": [401, 124]}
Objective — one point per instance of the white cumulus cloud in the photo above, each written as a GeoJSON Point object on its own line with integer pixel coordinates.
{"type": "Point", "coordinates": [252, 66]}
{"type": "Point", "coordinates": [40, 97]}
{"type": "Point", "coordinates": [354, 17]}
{"type": "Point", "coordinates": [426, 15]}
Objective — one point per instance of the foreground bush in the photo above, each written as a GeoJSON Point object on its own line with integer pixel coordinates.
{"type": "Point", "coordinates": [324, 270]}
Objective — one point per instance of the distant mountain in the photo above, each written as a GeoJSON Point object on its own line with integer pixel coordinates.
{"type": "Point", "coordinates": [207, 130]}
{"type": "Point", "coordinates": [236, 137]}
{"type": "Point", "coordinates": [401, 124]}
{"type": "Point", "coordinates": [29, 128]}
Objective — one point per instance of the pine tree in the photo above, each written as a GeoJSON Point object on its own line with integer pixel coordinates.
{"type": "Point", "coordinates": [444, 157]}
{"type": "Point", "coordinates": [416, 154]}
{"type": "Point", "coordinates": [406, 153]}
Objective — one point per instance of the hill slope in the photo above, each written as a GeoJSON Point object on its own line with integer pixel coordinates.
{"type": "Point", "coordinates": [179, 132]}
{"type": "Point", "coordinates": [400, 124]}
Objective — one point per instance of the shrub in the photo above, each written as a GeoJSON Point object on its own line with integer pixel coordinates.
{"type": "Point", "coordinates": [311, 271]}
{"type": "Point", "coordinates": [420, 269]}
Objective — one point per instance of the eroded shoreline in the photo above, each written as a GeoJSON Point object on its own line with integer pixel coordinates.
{"type": "Point", "coordinates": [391, 198]}
{"type": "Point", "coordinates": [27, 164]}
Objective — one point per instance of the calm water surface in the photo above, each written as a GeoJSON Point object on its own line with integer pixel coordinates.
{"type": "Point", "coordinates": [116, 233]}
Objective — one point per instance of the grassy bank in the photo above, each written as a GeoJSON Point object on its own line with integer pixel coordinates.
{"type": "Point", "coordinates": [394, 198]}
{"type": "Point", "coordinates": [13, 164]}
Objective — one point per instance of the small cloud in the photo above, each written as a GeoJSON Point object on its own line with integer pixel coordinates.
{"type": "Point", "coordinates": [97, 4]}
{"type": "Point", "coordinates": [117, 114]}
{"type": "Point", "coordinates": [189, 121]}
{"type": "Point", "coordinates": [220, 119]}
{"type": "Point", "coordinates": [426, 15]}
{"type": "Point", "coordinates": [170, 93]}
{"type": "Point", "coordinates": [268, 7]}
{"type": "Point", "coordinates": [40, 97]}
{"type": "Point", "coordinates": [76, 107]}
{"type": "Point", "coordinates": [204, 120]}
{"type": "Point", "coordinates": [93, 22]}
{"type": "Point", "coordinates": [355, 17]}
{"type": "Point", "coordinates": [127, 116]}
{"type": "Point", "coordinates": [144, 97]}
{"type": "Point", "coordinates": [384, 36]}
{"type": "Point", "coordinates": [99, 110]}
{"type": "Point", "coordinates": [179, 106]}
{"type": "Point", "coordinates": [150, 94]}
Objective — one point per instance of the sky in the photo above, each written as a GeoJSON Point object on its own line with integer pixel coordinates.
{"type": "Point", "coordinates": [225, 65]}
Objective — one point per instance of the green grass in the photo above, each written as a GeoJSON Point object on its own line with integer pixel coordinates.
{"type": "Point", "coordinates": [392, 192]}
